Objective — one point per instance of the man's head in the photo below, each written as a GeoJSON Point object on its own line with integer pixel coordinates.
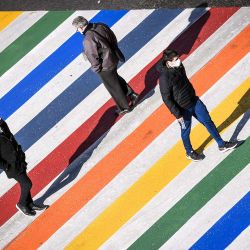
{"type": "Point", "coordinates": [80, 23]}
{"type": "Point", "coordinates": [170, 58]}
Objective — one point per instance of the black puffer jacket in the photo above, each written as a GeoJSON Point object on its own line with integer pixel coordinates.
{"type": "Point", "coordinates": [12, 158]}
{"type": "Point", "coordinates": [176, 90]}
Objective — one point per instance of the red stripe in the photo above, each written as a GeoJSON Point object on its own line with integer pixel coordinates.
{"type": "Point", "coordinates": [104, 118]}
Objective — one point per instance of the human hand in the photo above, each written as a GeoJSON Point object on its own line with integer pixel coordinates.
{"type": "Point", "coordinates": [182, 122]}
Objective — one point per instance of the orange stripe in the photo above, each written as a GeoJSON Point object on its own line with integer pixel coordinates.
{"type": "Point", "coordinates": [6, 17]}
{"type": "Point", "coordinates": [90, 184]}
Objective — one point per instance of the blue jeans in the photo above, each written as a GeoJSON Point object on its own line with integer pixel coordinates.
{"type": "Point", "coordinates": [199, 111]}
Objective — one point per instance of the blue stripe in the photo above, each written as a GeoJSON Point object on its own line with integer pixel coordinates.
{"type": "Point", "coordinates": [235, 221]}
{"type": "Point", "coordinates": [51, 66]}
{"type": "Point", "coordinates": [89, 81]}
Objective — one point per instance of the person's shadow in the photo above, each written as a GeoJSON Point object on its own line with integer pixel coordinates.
{"type": "Point", "coordinates": [77, 160]}
{"type": "Point", "coordinates": [182, 44]}
{"type": "Point", "coordinates": [242, 108]}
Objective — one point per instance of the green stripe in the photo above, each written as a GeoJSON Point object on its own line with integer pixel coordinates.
{"type": "Point", "coordinates": [193, 201]}
{"type": "Point", "coordinates": [30, 38]}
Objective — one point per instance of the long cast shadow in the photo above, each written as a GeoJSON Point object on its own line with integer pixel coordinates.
{"type": "Point", "coordinates": [77, 160]}
{"type": "Point", "coordinates": [242, 108]}
{"type": "Point", "coordinates": [182, 43]}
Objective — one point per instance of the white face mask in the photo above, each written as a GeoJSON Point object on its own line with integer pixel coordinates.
{"type": "Point", "coordinates": [175, 64]}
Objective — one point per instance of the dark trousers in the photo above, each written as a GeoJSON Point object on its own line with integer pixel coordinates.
{"type": "Point", "coordinates": [117, 87]}
{"type": "Point", "coordinates": [25, 184]}
{"type": "Point", "coordinates": [199, 111]}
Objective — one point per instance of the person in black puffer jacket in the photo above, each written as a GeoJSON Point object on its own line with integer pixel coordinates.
{"type": "Point", "coordinates": [179, 96]}
{"type": "Point", "coordinates": [12, 162]}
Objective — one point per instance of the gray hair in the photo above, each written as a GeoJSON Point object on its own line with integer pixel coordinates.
{"type": "Point", "coordinates": [80, 21]}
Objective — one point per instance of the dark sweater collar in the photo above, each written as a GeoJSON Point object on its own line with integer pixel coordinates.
{"type": "Point", "coordinates": [89, 27]}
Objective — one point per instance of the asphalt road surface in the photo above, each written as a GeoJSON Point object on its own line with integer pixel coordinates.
{"type": "Point", "coordinates": [113, 4]}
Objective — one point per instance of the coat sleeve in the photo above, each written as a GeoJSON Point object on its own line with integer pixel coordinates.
{"type": "Point", "coordinates": [8, 153]}
{"type": "Point", "coordinates": [166, 93]}
{"type": "Point", "coordinates": [91, 51]}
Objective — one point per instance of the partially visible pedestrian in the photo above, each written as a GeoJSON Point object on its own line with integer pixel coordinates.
{"type": "Point", "coordinates": [101, 49]}
{"type": "Point", "coordinates": [12, 161]}
{"type": "Point", "coordinates": [179, 96]}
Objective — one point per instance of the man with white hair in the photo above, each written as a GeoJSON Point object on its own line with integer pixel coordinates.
{"type": "Point", "coordinates": [101, 49]}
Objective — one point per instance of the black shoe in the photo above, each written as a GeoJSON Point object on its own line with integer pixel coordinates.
{"type": "Point", "coordinates": [35, 206]}
{"type": "Point", "coordinates": [228, 145]}
{"type": "Point", "coordinates": [134, 98]}
{"type": "Point", "coordinates": [195, 156]}
{"type": "Point", "coordinates": [25, 210]}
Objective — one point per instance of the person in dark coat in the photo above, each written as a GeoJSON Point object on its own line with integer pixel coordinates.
{"type": "Point", "coordinates": [101, 50]}
{"type": "Point", "coordinates": [12, 161]}
{"type": "Point", "coordinates": [179, 96]}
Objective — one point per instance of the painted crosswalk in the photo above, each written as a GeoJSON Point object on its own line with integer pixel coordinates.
{"type": "Point", "coordinates": [118, 183]}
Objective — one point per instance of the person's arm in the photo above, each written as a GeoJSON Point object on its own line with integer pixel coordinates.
{"type": "Point", "coordinates": [166, 93]}
{"type": "Point", "coordinates": [91, 51]}
{"type": "Point", "coordinates": [6, 131]}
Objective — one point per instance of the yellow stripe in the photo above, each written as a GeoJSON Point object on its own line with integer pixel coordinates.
{"type": "Point", "coordinates": [6, 17]}
{"type": "Point", "coordinates": [152, 182]}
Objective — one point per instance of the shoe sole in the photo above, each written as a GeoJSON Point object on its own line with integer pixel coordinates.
{"type": "Point", "coordinates": [227, 149]}
{"type": "Point", "coordinates": [23, 212]}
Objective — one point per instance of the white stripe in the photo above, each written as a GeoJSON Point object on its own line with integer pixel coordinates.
{"type": "Point", "coordinates": [75, 118]}
{"type": "Point", "coordinates": [144, 110]}
{"type": "Point", "coordinates": [242, 242]}
{"type": "Point", "coordinates": [166, 199]}
{"type": "Point", "coordinates": [139, 111]}
{"type": "Point", "coordinates": [230, 29]}
{"type": "Point", "coordinates": [144, 218]}
{"type": "Point", "coordinates": [69, 74]}
{"type": "Point", "coordinates": [16, 28]}
{"type": "Point", "coordinates": [207, 216]}
{"type": "Point", "coordinates": [99, 96]}
{"type": "Point", "coordinates": [126, 178]}
{"type": "Point", "coordinates": [45, 48]}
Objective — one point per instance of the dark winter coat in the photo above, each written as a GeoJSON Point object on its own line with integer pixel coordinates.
{"type": "Point", "coordinates": [176, 90]}
{"type": "Point", "coordinates": [100, 47]}
{"type": "Point", "coordinates": [12, 158]}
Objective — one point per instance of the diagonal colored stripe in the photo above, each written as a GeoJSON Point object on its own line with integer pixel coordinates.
{"type": "Point", "coordinates": [6, 17]}
{"type": "Point", "coordinates": [131, 173]}
{"type": "Point", "coordinates": [28, 40]}
{"type": "Point", "coordinates": [75, 93]}
{"type": "Point", "coordinates": [236, 220]}
{"type": "Point", "coordinates": [242, 241]}
{"type": "Point", "coordinates": [71, 73]}
{"type": "Point", "coordinates": [57, 160]}
{"type": "Point", "coordinates": [101, 174]}
{"type": "Point", "coordinates": [21, 24]}
{"type": "Point", "coordinates": [48, 171]}
{"type": "Point", "coordinates": [160, 232]}
{"type": "Point", "coordinates": [51, 66]}
{"type": "Point", "coordinates": [178, 187]}
{"type": "Point", "coordinates": [40, 52]}
{"type": "Point", "coordinates": [160, 174]}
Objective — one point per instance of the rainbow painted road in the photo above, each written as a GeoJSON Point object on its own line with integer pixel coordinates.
{"type": "Point", "coordinates": [124, 182]}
